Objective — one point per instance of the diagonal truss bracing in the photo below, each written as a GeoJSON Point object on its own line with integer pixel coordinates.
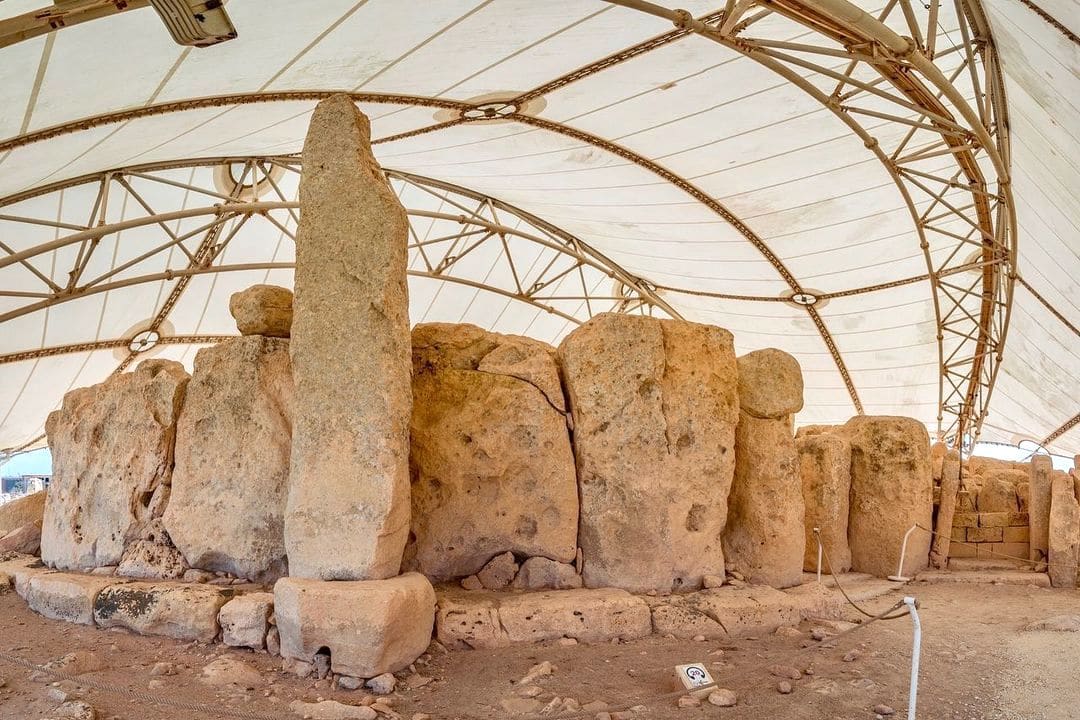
{"type": "Point", "coordinates": [945, 145]}
{"type": "Point", "coordinates": [456, 236]}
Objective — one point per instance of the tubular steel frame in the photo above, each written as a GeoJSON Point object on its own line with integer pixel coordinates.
{"type": "Point", "coordinates": [549, 268]}
{"type": "Point", "coordinates": [951, 165]}
{"type": "Point", "coordinates": [944, 101]}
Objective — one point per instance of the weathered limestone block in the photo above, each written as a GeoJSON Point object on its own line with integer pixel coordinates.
{"type": "Point", "coordinates": [370, 627]}
{"type": "Point", "coordinates": [245, 620]}
{"type": "Point", "coordinates": [347, 516]}
{"type": "Point", "coordinates": [937, 459]}
{"type": "Point", "coordinates": [770, 384]}
{"type": "Point", "coordinates": [492, 466]}
{"type": "Point", "coordinates": [499, 572]}
{"type": "Point", "coordinates": [765, 536]}
{"type": "Point", "coordinates": [20, 569]}
{"type": "Point", "coordinates": [1063, 532]}
{"type": "Point", "coordinates": [891, 490]}
{"type": "Point", "coordinates": [65, 596]}
{"type": "Point", "coordinates": [183, 612]}
{"type": "Point", "coordinates": [539, 573]}
{"type": "Point", "coordinates": [112, 447]}
{"type": "Point", "coordinates": [654, 406]}
{"type": "Point", "coordinates": [263, 310]}
{"type": "Point", "coordinates": [29, 509]}
{"type": "Point", "coordinates": [490, 620]}
{"type": "Point", "coordinates": [152, 561]}
{"type": "Point", "coordinates": [808, 430]}
{"type": "Point", "coordinates": [726, 612]}
{"type": "Point", "coordinates": [1042, 468]}
{"type": "Point", "coordinates": [997, 494]}
{"type": "Point", "coordinates": [234, 438]}
{"type": "Point", "coordinates": [825, 469]}
{"type": "Point", "coordinates": [25, 539]}
{"type": "Point", "coordinates": [950, 488]}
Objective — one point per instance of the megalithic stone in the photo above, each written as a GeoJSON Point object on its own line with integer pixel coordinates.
{"type": "Point", "coordinates": [1042, 468]}
{"type": "Point", "coordinates": [347, 516]}
{"type": "Point", "coordinates": [1063, 531]}
{"type": "Point", "coordinates": [950, 486]}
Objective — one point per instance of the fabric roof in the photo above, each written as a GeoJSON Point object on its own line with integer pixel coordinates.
{"type": "Point", "coordinates": [612, 156]}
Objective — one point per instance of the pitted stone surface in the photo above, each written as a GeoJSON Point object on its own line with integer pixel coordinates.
{"type": "Point", "coordinates": [112, 448]}
{"type": "Point", "coordinates": [1063, 532]}
{"type": "Point", "coordinates": [65, 596]}
{"type": "Point", "coordinates": [1039, 490]}
{"type": "Point", "coordinates": [825, 468]}
{"type": "Point", "coordinates": [950, 488]}
{"type": "Point", "coordinates": [654, 405]}
{"type": "Point", "coordinates": [234, 438]}
{"type": "Point", "coordinates": [263, 310]}
{"type": "Point", "coordinates": [183, 612]}
{"type": "Point", "coordinates": [347, 516]}
{"type": "Point", "coordinates": [371, 627]}
{"type": "Point", "coordinates": [245, 620]}
{"type": "Point", "coordinates": [770, 384]}
{"type": "Point", "coordinates": [489, 620]}
{"type": "Point", "coordinates": [765, 535]}
{"type": "Point", "coordinates": [492, 466]}
{"type": "Point", "coordinates": [891, 490]}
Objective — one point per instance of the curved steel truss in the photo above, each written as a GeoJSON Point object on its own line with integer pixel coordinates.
{"type": "Point", "coordinates": [456, 235]}
{"type": "Point", "coordinates": [950, 162]}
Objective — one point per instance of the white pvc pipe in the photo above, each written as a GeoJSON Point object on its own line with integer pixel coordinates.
{"type": "Point", "coordinates": [913, 691]}
{"type": "Point", "coordinates": [899, 576]}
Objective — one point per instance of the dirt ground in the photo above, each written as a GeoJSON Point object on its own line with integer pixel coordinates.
{"type": "Point", "coordinates": [977, 665]}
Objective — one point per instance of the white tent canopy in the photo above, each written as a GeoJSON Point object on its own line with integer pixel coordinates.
{"type": "Point", "coordinates": [900, 215]}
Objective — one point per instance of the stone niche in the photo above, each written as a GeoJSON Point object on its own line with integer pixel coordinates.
{"type": "Point", "coordinates": [227, 508]}
{"type": "Point", "coordinates": [654, 405]}
{"type": "Point", "coordinates": [891, 490]}
{"type": "Point", "coordinates": [491, 463]}
{"type": "Point", "coordinates": [112, 448]}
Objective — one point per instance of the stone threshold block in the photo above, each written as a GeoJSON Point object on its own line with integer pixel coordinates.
{"type": "Point", "coordinates": [489, 620]}
{"type": "Point", "coordinates": [728, 611]}
{"type": "Point", "coordinates": [19, 569]}
{"type": "Point", "coordinates": [245, 620]}
{"type": "Point", "coordinates": [370, 627]}
{"type": "Point", "coordinates": [176, 610]}
{"type": "Point", "coordinates": [984, 577]}
{"type": "Point", "coordinates": [65, 596]}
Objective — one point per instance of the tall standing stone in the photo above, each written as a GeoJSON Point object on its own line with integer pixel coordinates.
{"type": "Point", "coordinates": [765, 534]}
{"type": "Point", "coordinates": [825, 468]}
{"type": "Point", "coordinates": [891, 490]}
{"type": "Point", "coordinates": [654, 404]}
{"type": "Point", "coordinates": [227, 509]}
{"type": "Point", "coordinates": [1042, 468]}
{"type": "Point", "coordinates": [347, 516]}
{"type": "Point", "coordinates": [950, 486]}
{"type": "Point", "coordinates": [112, 449]}
{"type": "Point", "coordinates": [1063, 532]}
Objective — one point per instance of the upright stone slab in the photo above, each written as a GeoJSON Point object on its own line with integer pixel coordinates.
{"type": "Point", "coordinates": [1063, 532]}
{"type": "Point", "coordinates": [492, 467]}
{"type": "Point", "coordinates": [765, 534]}
{"type": "Point", "coordinates": [891, 490]}
{"type": "Point", "coordinates": [112, 450]}
{"type": "Point", "coordinates": [227, 510]}
{"type": "Point", "coordinates": [825, 468]}
{"type": "Point", "coordinates": [347, 516]}
{"type": "Point", "coordinates": [950, 486]}
{"type": "Point", "coordinates": [654, 405]}
{"type": "Point", "coordinates": [1042, 467]}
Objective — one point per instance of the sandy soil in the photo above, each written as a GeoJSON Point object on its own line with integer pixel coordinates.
{"type": "Point", "coordinates": [977, 665]}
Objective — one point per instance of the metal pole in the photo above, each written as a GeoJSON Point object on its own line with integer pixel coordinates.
{"type": "Point", "coordinates": [913, 691]}
{"type": "Point", "coordinates": [899, 576]}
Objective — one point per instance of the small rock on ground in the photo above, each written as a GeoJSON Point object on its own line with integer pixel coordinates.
{"type": "Point", "coordinates": [883, 710]}
{"type": "Point", "coordinates": [722, 697]}
{"type": "Point", "coordinates": [784, 687]}
{"type": "Point", "coordinates": [332, 710]}
{"type": "Point", "coordinates": [383, 684]}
